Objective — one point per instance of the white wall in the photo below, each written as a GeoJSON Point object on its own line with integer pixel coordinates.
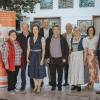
{"type": "Point", "coordinates": [67, 14]}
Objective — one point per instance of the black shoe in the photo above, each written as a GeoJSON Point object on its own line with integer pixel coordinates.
{"type": "Point", "coordinates": [57, 84]}
{"type": "Point", "coordinates": [73, 87]}
{"type": "Point", "coordinates": [59, 88]}
{"type": "Point", "coordinates": [22, 89]}
{"type": "Point", "coordinates": [78, 88]}
{"type": "Point", "coordinates": [65, 84]}
{"type": "Point", "coordinates": [98, 92]}
{"type": "Point", "coordinates": [50, 83]}
{"type": "Point", "coordinates": [53, 88]}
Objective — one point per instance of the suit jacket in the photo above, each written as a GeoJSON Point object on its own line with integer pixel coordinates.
{"type": "Point", "coordinates": [23, 43]}
{"type": "Point", "coordinates": [98, 47]}
{"type": "Point", "coordinates": [42, 32]}
{"type": "Point", "coordinates": [98, 51]}
{"type": "Point", "coordinates": [64, 47]}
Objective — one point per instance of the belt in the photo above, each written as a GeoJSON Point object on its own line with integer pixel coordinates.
{"type": "Point", "coordinates": [56, 58]}
{"type": "Point", "coordinates": [38, 50]}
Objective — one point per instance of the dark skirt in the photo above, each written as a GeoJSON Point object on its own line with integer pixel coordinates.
{"type": "Point", "coordinates": [35, 70]}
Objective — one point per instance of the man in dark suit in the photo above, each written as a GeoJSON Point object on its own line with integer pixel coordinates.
{"type": "Point", "coordinates": [46, 32]}
{"type": "Point", "coordinates": [68, 36]}
{"type": "Point", "coordinates": [57, 52]}
{"type": "Point", "coordinates": [98, 56]}
{"type": "Point", "coordinates": [23, 38]}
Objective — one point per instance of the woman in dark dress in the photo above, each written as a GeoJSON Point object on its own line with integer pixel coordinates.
{"type": "Point", "coordinates": [36, 53]}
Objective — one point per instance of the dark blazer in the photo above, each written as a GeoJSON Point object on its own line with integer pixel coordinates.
{"type": "Point", "coordinates": [23, 43]}
{"type": "Point", "coordinates": [64, 47]}
{"type": "Point", "coordinates": [42, 32]}
{"type": "Point", "coordinates": [98, 47]}
{"type": "Point", "coordinates": [98, 51]}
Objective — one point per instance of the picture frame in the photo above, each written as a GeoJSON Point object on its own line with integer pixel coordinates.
{"type": "Point", "coordinates": [86, 3]}
{"type": "Point", "coordinates": [96, 23]}
{"type": "Point", "coordinates": [46, 4]}
{"type": "Point", "coordinates": [84, 24]}
{"type": "Point", "coordinates": [52, 21]}
{"type": "Point", "coordinates": [65, 3]}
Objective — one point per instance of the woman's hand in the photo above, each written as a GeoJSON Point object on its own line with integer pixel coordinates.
{"type": "Point", "coordinates": [7, 67]}
{"type": "Point", "coordinates": [41, 62]}
{"type": "Point", "coordinates": [28, 61]}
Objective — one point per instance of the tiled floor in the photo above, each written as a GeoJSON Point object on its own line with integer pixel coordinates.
{"type": "Point", "coordinates": [47, 94]}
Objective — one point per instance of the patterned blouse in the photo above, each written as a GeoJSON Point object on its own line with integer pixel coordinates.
{"type": "Point", "coordinates": [18, 53]}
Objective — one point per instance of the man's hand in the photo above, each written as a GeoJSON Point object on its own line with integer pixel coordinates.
{"type": "Point", "coordinates": [48, 60]}
{"type": "Point", "coordinates": [64, 60]}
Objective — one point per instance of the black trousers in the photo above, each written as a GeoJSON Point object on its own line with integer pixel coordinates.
{"type": "Point", "coordinates": [23, 78]}
{"type": "Point", "coordinates": [66, 67]}
{"type": "Point", "coordinates": [56, 66]}
{"type": "Point", "coordinates": [12, 78]}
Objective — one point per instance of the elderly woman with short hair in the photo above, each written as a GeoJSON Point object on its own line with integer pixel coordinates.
{"type": "Point", "coordinates": [12, 54]}
{"type": "Point", "coordinates": [76, 65]}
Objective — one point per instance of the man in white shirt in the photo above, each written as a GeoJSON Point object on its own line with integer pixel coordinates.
{"type": "Point", "coordinates": [68, 36]}
{"type": "Point", "coordinates": [46, 32]}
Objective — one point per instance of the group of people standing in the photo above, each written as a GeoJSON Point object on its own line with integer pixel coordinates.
{"type": "Point", "coordinates": [77, 55]}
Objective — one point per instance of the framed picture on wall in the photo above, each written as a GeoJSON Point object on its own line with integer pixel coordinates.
{"type": "Point", "coordinates": [86, 3]}
{"type": "Point", "coordinates": [65, 3]}
{"type": "Point", "coordinates": [52, 21]}
{"type": "Point", "coordinates": [84, 24]}
{"type": "Point", "coordinates": [96, 23]}
{"type": "Point", "coordinates": [46, 4]}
